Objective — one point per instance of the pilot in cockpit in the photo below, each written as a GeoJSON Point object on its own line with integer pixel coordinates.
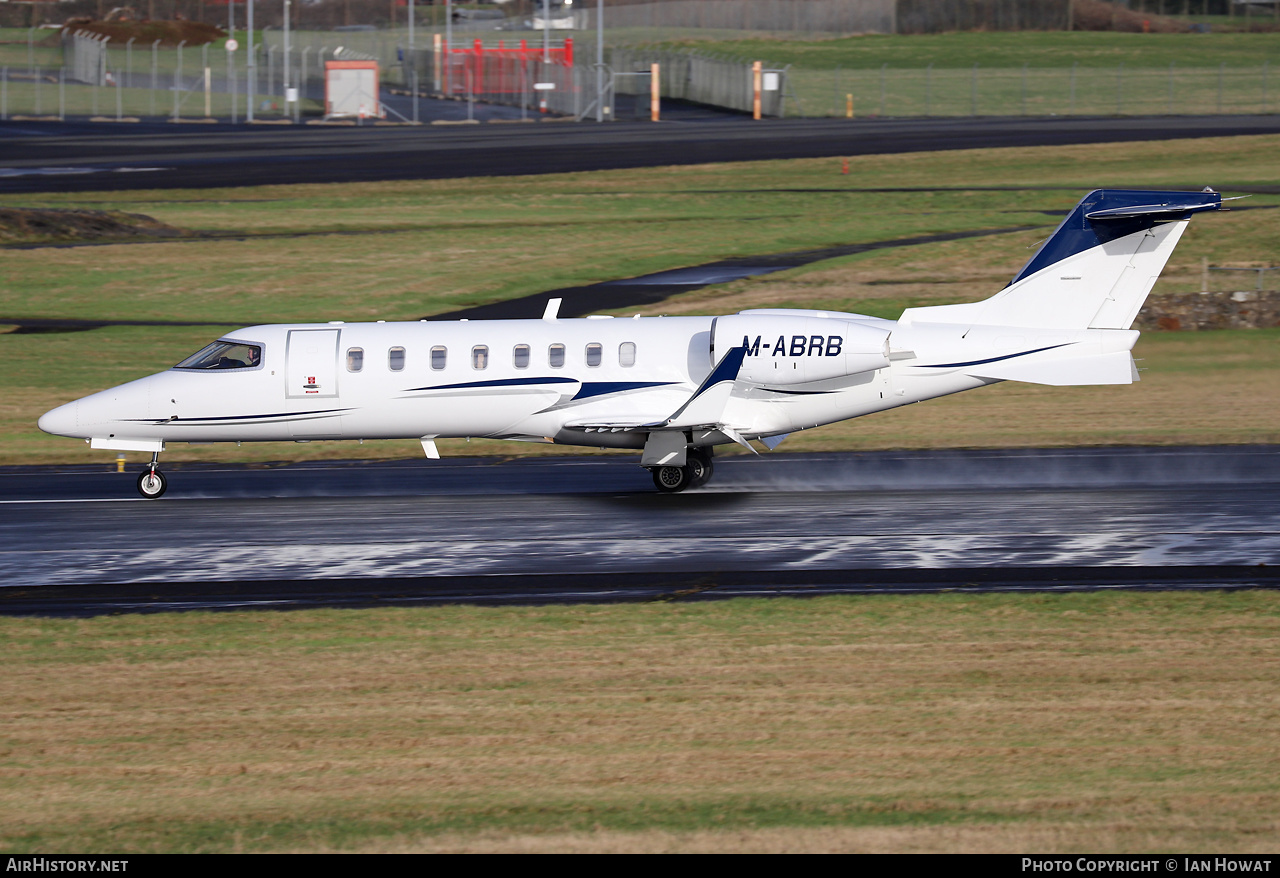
{"type": "Point", "coordinates": [244, 358]}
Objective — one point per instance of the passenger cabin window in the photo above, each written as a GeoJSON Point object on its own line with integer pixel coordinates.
{"type": "Point", "coordinates": [520, 356]}
{"type": "Point", "coordinates": [595, 353]}
{"type": "Point", "coordinates": [355, 359]}
{"type": "Point", "coordinates": [627, 353]}
{"type": "Point", "coordinates": [480, 357]}
{"type": "Point", "coordinates": [395, 359]}
{"type": "Point", "coordinates": [224, 355]}
{"type": "Point", "coordinates": [439, 355]}
{"type": "Point", "coordinates": [555, 356]}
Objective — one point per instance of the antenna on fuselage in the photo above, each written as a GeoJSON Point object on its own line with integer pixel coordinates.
{"type": "Point", "coordinates": [553, 309]}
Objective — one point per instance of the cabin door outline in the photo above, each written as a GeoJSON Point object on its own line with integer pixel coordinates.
{"type": "Point", "coordinates": [311, 369]}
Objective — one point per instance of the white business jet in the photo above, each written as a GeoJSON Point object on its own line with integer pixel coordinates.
{"type": "Point", "coordinates": [671, 387]}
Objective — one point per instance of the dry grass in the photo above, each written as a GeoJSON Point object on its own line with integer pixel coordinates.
{"type": "Point", "coordinates": [1088, 722]}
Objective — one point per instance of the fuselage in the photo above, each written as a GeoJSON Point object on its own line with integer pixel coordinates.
{"type": "Point", "coordinates": [534, 380]}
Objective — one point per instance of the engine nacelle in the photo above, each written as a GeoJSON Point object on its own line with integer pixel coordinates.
{"type": "Point", "coordinates": [786, 349]}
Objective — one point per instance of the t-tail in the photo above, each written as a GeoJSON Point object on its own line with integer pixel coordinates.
{"type": "Point", "coordinates": [1095, 271]}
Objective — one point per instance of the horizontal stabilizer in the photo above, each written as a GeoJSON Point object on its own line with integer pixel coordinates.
{"type": "Point", "coordinates": [1151, 210]}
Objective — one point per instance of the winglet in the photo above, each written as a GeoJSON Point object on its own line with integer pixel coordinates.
{"type": "Point", "coordinates": [552, 310]}
{"type": "Point", "coordinates": [707, 403]}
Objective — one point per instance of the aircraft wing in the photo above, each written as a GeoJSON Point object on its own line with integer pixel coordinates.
{"type": "Point", "coordinates": [704, 410]}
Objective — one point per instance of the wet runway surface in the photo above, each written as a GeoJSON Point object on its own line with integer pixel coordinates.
{"type": "Point", "coordinates": [593, 529]}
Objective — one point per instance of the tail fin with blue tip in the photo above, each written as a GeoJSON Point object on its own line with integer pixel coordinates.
{"type": "Point", "coordinates": [1094, 271]}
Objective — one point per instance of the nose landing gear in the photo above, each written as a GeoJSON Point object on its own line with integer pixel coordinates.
{"type": "Point", "coordinates": [152, 483]}
{"type": "Point", "coordinates": [695, 473]}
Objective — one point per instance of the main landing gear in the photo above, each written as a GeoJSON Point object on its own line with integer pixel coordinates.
{"type": "Point", "coordinates": [152, 483]}
{"type": "Point", "coordinates": [694, 474]}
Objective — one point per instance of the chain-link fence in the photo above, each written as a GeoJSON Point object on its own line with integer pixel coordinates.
{"type": "Point", "coordinates": [82, 74]}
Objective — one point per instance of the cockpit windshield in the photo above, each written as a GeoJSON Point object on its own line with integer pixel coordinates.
{"type": "Point", "coordinates": [224, 354]}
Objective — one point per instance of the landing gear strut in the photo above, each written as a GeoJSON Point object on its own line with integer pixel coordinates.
{"type": "Point", "coordinates": [694, 474]}
{"type": "Point", "coordinates": [152, 483]}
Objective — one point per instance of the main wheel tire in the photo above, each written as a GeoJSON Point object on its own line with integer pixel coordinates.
{"type": "Point", "coordinates": [671, 479]}
{"type": "Point", "coordinates": [152, 484]}
{"type": "Point", "coordinates": [700, 469]}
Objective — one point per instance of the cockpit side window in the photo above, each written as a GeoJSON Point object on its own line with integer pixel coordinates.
{"type": "Point", "coordinates": [224, 354]}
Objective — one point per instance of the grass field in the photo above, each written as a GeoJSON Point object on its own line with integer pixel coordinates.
{"type": "Point", "coordinates": [958, 722]}
{"type": "Point", "coordinates": [1004, 49]}
{"type": "Point", "coordinates": [407, 250]}
{"type": "Point", "coordinates": [1104, 722]}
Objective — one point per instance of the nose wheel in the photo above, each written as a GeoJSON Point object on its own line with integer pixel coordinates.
{"type": "Point", "coordinates": [151, 483]}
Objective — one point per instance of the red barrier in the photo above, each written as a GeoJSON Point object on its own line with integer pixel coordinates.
{"type": "Point", "coordinates": [500, 69]}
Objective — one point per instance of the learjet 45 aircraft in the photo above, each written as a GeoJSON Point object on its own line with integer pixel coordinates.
{"type": "Point", "coordinates": [670, 387]}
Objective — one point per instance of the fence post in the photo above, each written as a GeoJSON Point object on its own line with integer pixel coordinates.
{"type": "Point", "coordinates": [756, 76]}
{"type": "Point", "coordinates": [655, 91]}
{"type": "Point", "coordinates": [155, 85]}
{"type": "Point", "coordinates": [231, 77]}
{"type": "Point", "coordinates": [302, 85]}
{"type": "Point", "coordinates": [177, 80]}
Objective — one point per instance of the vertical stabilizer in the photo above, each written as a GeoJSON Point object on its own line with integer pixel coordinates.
{"type": "Point", "coordinates": [1094, 271]}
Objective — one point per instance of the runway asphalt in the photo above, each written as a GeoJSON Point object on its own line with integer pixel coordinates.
{"type": "Point", "coordinates": [594, 529]}
{"type": "Point", "coordinates": [83, 156]}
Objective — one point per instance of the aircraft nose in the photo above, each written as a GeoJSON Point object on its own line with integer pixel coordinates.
{"type": "Point", "coordinates": [60, 421]}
